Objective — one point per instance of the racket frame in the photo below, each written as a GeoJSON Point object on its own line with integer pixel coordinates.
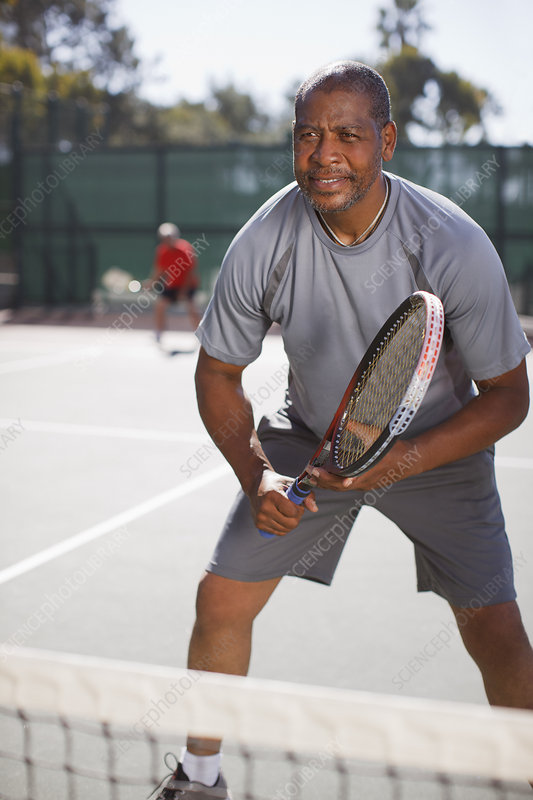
{"type": "Point", "coordinates": [414, 394]}
{"type": "Point", "coordinates": [409, 405]}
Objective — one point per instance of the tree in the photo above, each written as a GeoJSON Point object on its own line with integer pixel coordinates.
{"type": "Point", "coordinates": [193, 123]}
{"type": "Point", "coordinates": [461, 106]}
{"type": "Point", "coordinates": [238, 110]}
{"type": "Point", "coordinates": [424, 98]}
{"type": "Point", "coordinates": [407, 74]}
{"type": "Point", "coordinates": [401, 25]}
{"type": "Point", "coordinates": [71, 48]}
{"type": "Point", "coordinates": [73, 36]}
{"type": "Point", "coordinates": [21, 66]}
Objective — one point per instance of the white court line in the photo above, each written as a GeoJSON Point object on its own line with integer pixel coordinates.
{"type": "Point", "coordinates": [104, 430]}
{"type": "Point", "coordinates": [517, 463]}
{"type": "Point", "coordinates": [46, 361]}
{"type": "Point", "coordinates": [82, 538]}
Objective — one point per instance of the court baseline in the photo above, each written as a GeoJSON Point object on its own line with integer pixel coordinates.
{"type": "Point", "coordinates": [107, 431]}
{"type": "Point", "coordinates": [102, 528]}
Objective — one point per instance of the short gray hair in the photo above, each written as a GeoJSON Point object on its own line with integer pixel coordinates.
{"type": "Point", "coordinates": [352, 76]}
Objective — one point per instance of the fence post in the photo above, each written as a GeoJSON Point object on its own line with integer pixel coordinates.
{"type": "Point", "coordinates": [92, 270]}
{"type": "Point", "coordinates": [52, 119]}
{"type": "Point", "coordinates": [72, 277]}
{"type": "Point", "coordinates": [17, 189]}
{"type": "Point", "coordinates": [105, 128]}
{"type": "Point", "coordinates": [161, 185]}
{"type": "Point", "coordinates": [501, 178]}
{"type": "Point", "coordinates": [49, 271]}
{"type": "Point", "coordinates": [81, 127]}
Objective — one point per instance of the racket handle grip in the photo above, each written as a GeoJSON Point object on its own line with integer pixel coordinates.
{"type": "Point", "coordinates": [297, 494]}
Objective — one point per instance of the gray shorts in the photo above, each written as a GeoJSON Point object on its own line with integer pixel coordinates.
{"type": "Point", "coordinates": [451, 514]}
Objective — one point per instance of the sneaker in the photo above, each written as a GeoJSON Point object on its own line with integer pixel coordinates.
{"type": "Point", "coordinates": [178, 787]}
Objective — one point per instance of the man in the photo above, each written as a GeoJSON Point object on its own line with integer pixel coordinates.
{"type": "Point", "coordinates": [329, 258]}
{"type": "Point", "coordinates": [175, 266]}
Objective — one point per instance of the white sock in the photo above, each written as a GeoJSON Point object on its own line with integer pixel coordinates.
{"type": "Point", "coordinates": [204, 769]}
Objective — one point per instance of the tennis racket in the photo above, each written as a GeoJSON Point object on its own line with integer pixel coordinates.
{"type": "Point", "coordinates": [384, 394]}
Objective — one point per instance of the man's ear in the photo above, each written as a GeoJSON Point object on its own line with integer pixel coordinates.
{"type": "Point", "coordinates": [389, 136]}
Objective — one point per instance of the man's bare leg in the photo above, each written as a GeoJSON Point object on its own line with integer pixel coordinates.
{"type": "Point", "coordinates": [160, 315]}
{"type": "Point", "coordinates": [497, 641]}
{"type": "Point", "coordinates": [221, 640]}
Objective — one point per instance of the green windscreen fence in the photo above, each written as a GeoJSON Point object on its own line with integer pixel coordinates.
{"type": "Point", "coordinates": [72, 211]}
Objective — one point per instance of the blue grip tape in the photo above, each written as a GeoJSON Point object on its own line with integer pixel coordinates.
{"type": "Point", "coordinates": [297, 495]}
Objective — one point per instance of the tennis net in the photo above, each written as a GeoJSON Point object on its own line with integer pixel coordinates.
{"type": "Point", "coordinates": [75, 727]}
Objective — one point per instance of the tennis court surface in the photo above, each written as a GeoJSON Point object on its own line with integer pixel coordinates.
{"type": "Point", "coordinates": [113, 496]}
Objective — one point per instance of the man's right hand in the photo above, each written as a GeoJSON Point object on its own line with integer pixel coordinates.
{"type": "Point", "coordinates": [272, 510]}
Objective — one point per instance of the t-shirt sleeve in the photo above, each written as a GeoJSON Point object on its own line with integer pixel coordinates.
{"type": "Point", "coordinates": [480, 312]}
{"type": "Point", "coordinates": [235, 323]}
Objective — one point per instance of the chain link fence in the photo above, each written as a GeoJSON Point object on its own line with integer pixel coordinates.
{"type": "Point", "coordinates": [72, 207]}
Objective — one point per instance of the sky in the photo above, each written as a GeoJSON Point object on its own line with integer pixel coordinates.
{"type": "Point", "coordinates": [265, 48]}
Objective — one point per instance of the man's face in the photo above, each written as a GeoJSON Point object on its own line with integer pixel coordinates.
{"type": "Point", "coordinates": [337, 149]}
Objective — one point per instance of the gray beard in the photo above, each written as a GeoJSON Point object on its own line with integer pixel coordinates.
{"type": "Point", "coordinates": [360, 186]}
{"type": "Point", "coordinates": [355, 196]}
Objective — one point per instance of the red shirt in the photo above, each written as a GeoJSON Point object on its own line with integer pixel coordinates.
{"type": "Point", "coordinates": [175, 262]}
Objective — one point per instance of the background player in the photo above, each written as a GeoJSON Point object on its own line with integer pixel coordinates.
{"type": "Point", "coordinates": [175, 265]}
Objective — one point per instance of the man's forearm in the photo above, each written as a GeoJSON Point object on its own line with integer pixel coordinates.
{"type": "Point", "coordinates": [483, 421]}
{"type": "Point", "coordinates": [500, 407]}
{"type": "Point", "coordinates": [228, 417]}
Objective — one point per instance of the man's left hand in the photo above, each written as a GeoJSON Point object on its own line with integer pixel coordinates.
{"type": "Point", "coordinates": [401, 461]}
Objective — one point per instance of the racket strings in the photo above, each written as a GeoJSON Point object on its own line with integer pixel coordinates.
{"type": "Point", "coordinates": [381, 388]}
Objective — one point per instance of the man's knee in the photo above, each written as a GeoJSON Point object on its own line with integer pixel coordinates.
{"type": "Point", "coordinates": [491, 628]}
{"type": "Point", "coordinates": [222, 602]}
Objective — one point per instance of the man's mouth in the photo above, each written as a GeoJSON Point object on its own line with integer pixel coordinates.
{"type": "Point", "coordinates": [330, 182]}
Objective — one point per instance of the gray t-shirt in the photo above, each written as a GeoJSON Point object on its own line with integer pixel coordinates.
{"type": "Point", "coordinates": [330, 300]}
